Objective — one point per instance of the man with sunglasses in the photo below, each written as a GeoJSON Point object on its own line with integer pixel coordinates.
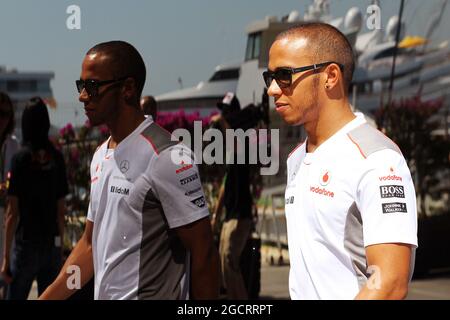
{"type": "Point", "coordinates": [350, 200]}
{"type": "Point", "coordinates": [148, 232]}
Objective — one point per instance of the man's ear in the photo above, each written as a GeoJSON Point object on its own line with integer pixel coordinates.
{"type": "Point", "coordinates": [333, 76]}
{"type": "Point", "coordinates": [129, 90]}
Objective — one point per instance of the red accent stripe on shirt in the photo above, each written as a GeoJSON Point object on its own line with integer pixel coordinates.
{"type": "Point", "coordinates": [357, 145]}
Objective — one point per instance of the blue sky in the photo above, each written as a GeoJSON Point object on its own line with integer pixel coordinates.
{"type": "Point", "coordinates": [184, 39]}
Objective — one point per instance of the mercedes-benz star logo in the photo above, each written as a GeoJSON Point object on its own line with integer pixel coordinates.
{"type": "Point", "coordinates": [124, 166]}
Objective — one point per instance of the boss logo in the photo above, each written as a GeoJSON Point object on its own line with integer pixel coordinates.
{"type": "Point", "coordinates": [392, 191]}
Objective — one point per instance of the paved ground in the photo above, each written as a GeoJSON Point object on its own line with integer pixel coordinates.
{"type": "Point", "coordinates": [435, 286]}
{"type": "Point", "coordinates": [274, 283]}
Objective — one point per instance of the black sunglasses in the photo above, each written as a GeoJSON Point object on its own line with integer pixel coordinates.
{"type": "Point", "coordinates": [283, 76]}
{"type": "Point", "coordinates": [91, 86]}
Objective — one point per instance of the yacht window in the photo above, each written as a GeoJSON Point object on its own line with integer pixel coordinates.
{"type": "Point", "coordinates": [225, 75]}
{"type": "Point", "coordinates": [253, 46]}
{"type": "Point", "coordinates": [21, 86]}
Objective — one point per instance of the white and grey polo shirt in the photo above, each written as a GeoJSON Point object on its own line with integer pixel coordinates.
{"type": "Point", "coordinates": [140, 191]}
{"type": "Point", "coordinates": [353, 191]}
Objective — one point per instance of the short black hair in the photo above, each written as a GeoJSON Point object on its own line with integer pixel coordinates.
{"type": "Point", "coordinates": [328, 44]}
{"type": "Point", "coordinates": [35, 124]}
{"type": "Point", "coordinates": [126, 61]}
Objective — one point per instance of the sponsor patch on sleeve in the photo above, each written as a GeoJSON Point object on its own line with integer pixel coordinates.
{"type": "Point", "coordinates": [392, 191]}
{"type": "Point", "coordinates": [189, 179]}
{"type": "Point", "coordinates": [191, 192]}
{"type": "Point", "coordinates": [199, 202]}
{"type": "Point", "coordinates": [394, 207]}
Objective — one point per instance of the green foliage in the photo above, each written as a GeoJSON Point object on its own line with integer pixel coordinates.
{"type": "Point", "coordinates": [78, 147]}
{"type": "Point", "coordinates": [416, 127]}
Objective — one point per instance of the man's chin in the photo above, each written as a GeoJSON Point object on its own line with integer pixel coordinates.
{"type": "Point", "coordinates": [95, 122]}
{"type": "Point", "coordinates": [292, 121]}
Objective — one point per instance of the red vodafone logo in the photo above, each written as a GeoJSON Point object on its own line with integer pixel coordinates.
{"type": "Point", "coordinates": [325, 178]}
{"type": "Point", "coordinates": [391, 177]}
{"type": "Point", "coordinates": [322, 191]}
{"type": "Point", "coordinates": [183, 168]}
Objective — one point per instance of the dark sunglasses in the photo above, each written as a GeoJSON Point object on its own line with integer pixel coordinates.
{"type": "Point", "coordinates": [283, 76]}
{"type": "Point", "coordinates": [92, 86]}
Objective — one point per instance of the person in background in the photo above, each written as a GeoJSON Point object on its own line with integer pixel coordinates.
{"type": "Point", "coordinates": [8, 147]}
{"type": "Point", "coordinates": [149, 106]}
{"type": "Point", "coordinates": [35, 210]}
{"type": "Point", "coordinates": [236, 197]}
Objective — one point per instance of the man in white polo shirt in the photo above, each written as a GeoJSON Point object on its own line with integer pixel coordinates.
{"type": "Point", "coordinates": [148, 233]}
{"type": "Point", "coordinates": [350, 200]}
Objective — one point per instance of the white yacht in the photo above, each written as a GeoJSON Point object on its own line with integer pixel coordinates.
{"type": "Point", "coordinates": [205, 95]}
{"type": "Point", "coordinates": [419, 65]}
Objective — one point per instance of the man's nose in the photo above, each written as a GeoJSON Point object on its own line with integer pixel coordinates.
{"type": "Point", "coordinates": [274, 89]}
{"type": "Point", "coordinates": [83, 96]}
